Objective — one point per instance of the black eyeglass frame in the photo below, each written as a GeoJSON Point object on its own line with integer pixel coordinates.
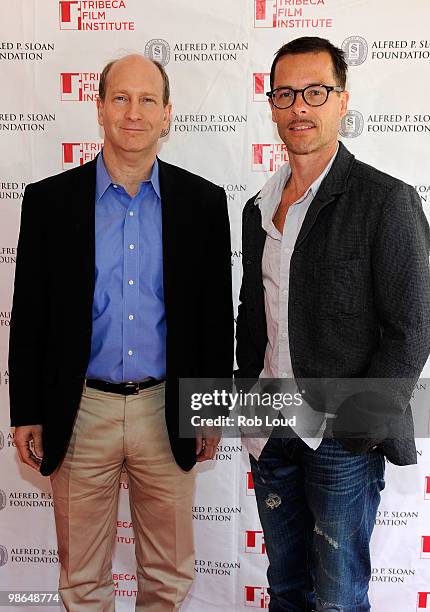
{"type": "Point", "coordinates": [328, 88]}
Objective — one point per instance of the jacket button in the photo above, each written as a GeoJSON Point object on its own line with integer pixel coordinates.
{"type": "Point", "coordinates": [249, 261]}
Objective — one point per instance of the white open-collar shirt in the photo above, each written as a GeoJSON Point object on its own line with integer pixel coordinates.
{"type": "Point", "coordinates": [277, 254]}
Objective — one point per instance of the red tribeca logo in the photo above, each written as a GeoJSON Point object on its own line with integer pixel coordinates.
{"type": "Point", "coordinates": [77, 153]}
{"type": "Point", "coordinates": [91, 15]}
{"type": "Point", "coordinates": [265, 12]}
{"type": "Point", "coordinates": [79, 86]}
{"type": "Point", "coordinates": [256, 597]}
{"type": "Point", "coordinates": [425, 547]}
{"type": "Point", "coordinates": [250, 484]}
{"type": "Point", "coordinates": [254, 542]}
{"type": "Point", "coordinates": [70, 15]}
{"type": "Point", "coordinates": [423, 600]}
{"type": "Point", "coordinates": [427, 488]}
{"type": "Point", "coordinates": [280, 14]}
{"type": "Point", "coordinates": [261, 84]}
{"type": "Point", "coordinates": [268, 157]}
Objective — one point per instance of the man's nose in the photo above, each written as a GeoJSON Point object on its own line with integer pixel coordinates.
{"type": "Point", "coordinates": [299, 105]}
{"type": "Point", "coordinates": [134, 111]}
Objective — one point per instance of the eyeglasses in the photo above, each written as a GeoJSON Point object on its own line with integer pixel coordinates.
{"type": "Point", "coordinates": [313, 95]}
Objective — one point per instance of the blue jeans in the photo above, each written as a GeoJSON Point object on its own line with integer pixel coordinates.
{"type": "Point", "coordinates": [317, 509]}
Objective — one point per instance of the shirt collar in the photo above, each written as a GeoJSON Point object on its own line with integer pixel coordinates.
{"type": "Point", "coordinates": [271, 193]}
{"type": "Point", "coordinates": [154, 178]}
{"type": "Point", "coordinates": [103, 179]}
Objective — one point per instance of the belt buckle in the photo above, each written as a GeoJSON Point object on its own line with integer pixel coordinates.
{"type": "Point", "coordinates": [132, 388]}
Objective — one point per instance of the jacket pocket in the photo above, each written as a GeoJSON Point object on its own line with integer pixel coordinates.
{"type": "Point", "coordinates": [340, 288]}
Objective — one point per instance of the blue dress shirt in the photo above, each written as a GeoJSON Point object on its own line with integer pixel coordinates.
{"type": "Point", "coordinates": [129, 325]}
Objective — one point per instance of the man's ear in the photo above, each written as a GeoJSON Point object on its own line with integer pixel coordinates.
{"type": "Point", "coordinates": [344, 103]}
{"type": "Point", "coordinates": [100, 107]}
{"type": "Point", "coordinates": [167, 115]}
{"type": "Point", "coordinates": [273, 109]}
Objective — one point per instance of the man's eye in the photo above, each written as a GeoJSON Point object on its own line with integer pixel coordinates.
{"type": "Point", "coordinates": [119, 98]}
{"type": "Point", "coordinates": [149, 100]}
{"type": "Point", "coordinates": [314, 92]}
{"type": "Point", "coordinates": [287, 93]}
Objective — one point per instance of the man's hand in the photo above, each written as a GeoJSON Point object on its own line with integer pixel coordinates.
{"type": "Point", "coordinates": [28, 441]}
{"type": "Point", "coordinates": [207, 440]}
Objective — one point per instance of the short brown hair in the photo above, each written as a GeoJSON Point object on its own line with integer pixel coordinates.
{"type": "Point", "coordinates": [106, 70]}
{"type": "Point", "coordinates": [313, 44]}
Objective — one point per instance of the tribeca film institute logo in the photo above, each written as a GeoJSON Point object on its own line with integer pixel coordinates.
{"type": "Point", "coordinates": [254, 542]}
{"type": "Point", "coordinates": [159, 50]}
{"type": "Point", "coordinates": [78, 153]}
{"type": "Point", "coordinates": [290, 14]}
{"type": "Point", "coordinates": [260, 84]}
{"type": "Point", "coordinates": [99, 15]}
{"type": "Point", "coordinates": [79, 86]}
{"type": "Point", "coordinates": [425, 547]}
{"type": "Point", "coordinates": [268, 157]}
{"type": "Point", "coordinates": [423, 601]}
{"type": "Point", "coordinates": [427, 488]}
{"type": "Point", "coordinates": [355, 49]}
{"type": "Point", "coordinates": [256, 597]}
{"type": "Point", "coordinates": [250, 489]}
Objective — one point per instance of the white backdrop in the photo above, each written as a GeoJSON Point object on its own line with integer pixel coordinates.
{"type": "Point", "coordinates": [218, 56]}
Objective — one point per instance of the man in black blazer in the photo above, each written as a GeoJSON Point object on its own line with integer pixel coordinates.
{"type": "Point", "coordinates": [335, 286]}
{"type": "Point", "coordinates": [135, 295]}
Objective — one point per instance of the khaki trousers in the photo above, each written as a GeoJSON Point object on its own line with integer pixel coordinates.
{"type": "Point", "coordinates": [112, 431]}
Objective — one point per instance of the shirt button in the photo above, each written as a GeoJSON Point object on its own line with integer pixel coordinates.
{"type": "Point", "coordinates": [130, 353]}
{"type": "Point", "coordinates": [131, 246]}
{"type": "Point", "coordinates": [130, 317]}
{"type": "Point", "coordinates": [115, 186]}
{"type": "Point", "coordinates": [131, 213]}
{"type": "Point", "coordinates": [284, 335]}
{"type": "Point", "coordinates": [284, 375]}
{"type": "Point", "coordinates": [131, 282]}
{"type": "Point", "coordinates": [285, 291]}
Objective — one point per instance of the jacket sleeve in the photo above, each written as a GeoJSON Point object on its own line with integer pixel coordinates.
{"type": "Point", "coordinates": [28, 318]}
{"type": "Point", "coordinates": [248, 356]}
{"type": "Point", "coordinates": [401, 287]}
{"type": "Point", "coordinates": [218, 299]}
{"type": "Point", "coordinates": [401, 280]}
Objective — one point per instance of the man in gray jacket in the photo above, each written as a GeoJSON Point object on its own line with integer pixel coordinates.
{"type": "Point", "coordinates": [335, 285]}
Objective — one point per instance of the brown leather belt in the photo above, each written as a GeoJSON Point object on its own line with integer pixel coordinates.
{"type": "Point", "coordinates": [127, 388]}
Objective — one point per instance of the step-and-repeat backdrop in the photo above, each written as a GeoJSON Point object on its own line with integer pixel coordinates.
{"type": "Point", "coordinates": [218, 56]}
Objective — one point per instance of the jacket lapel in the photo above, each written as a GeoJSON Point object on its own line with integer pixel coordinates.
{"type": "Point", "coordinates": [173, 213]}
{"type": "Point", "coordinates": [333, 184]}
{"type": "Point", "coordinates": [256, 237]}
{"type": "Point", "coordinates": [80, 202]}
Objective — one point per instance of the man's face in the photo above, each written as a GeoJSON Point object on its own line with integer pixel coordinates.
{"type": "Point", "coordinates": [307, 129]}
{"type": "Point", "coordinates": [132, 113]}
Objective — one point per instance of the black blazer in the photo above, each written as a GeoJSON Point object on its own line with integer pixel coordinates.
{"type": "Point", "coordinates": [51, 322]}
{"type": "Point", "coordinates": [359, 299]}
